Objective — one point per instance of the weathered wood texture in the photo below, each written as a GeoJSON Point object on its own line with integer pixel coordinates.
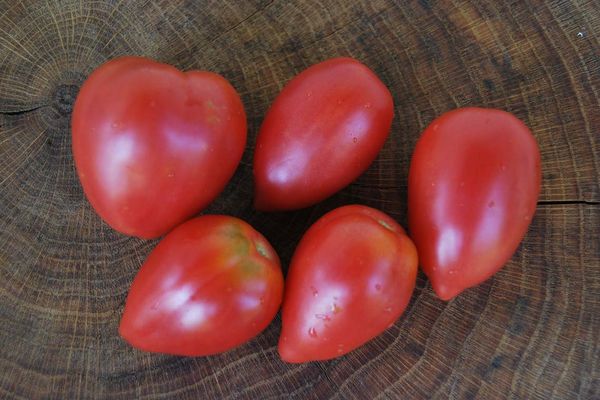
{"type": "Point", "coordinates": [530, 332]}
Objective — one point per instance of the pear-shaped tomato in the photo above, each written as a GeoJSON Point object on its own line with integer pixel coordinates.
{"type": "Point", "coordinates": [211, 284]}
{"type": "Point", "coordinates": [472, 191]}
{"type": "Point", "coordinates": [322, 131]}
{"type": "Point", "coordinates": [350, 278]}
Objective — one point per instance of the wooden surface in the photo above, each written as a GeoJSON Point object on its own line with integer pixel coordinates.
{"type": "Point", "coordinates": [530, 332]}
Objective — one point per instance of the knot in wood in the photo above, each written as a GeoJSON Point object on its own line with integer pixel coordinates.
{"type": "Point", "coordinates": [64, 98]}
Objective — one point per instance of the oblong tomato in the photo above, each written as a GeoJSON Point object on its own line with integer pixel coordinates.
{"type": "Point", "coordinates": [154, 145]}
{"type": "Point", "coordinates": [350, 278]}
{"type": "Point", "coordinates": [472, 191]}
{"type": "Point", "coordinates": [322, 131]}
{"type": "Point", "coordinates": [211, 284]}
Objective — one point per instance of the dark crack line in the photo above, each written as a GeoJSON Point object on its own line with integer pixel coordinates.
{"type": "Point", "coordinates": [25, 111]}
{"type": "Point", "coordinates": [567, 202]}
{"type": "Point", "coordinates": [238, 24]}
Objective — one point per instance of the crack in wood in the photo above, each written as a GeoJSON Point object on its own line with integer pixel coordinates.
{"type": "Point", "coordinates": [567, 202]}
{"type": "Point", "coordinates": [23, 111]}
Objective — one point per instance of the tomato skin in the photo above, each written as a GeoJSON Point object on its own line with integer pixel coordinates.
{"type": "Point", "coordinates": [322, 131]}
{"type": "Point", "coordinates": [351, 277]}
{"type": "Point", "coordinates": [154, 145]}
{"type": "Point", "coordinates": [473, 187]}
{"type": "Point", "coordinates": [211, 284]}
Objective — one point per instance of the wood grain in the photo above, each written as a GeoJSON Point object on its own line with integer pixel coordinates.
{"type": "Point", "coordinates": [532, 331]}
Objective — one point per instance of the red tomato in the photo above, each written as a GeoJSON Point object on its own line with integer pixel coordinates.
{"type": "Point", "coordinates": [153, 145]}
{"type": "Point", "coordinates": [322, 131]}
{"type": "Point", "coordinates": [351, 277]}
{"type": "Point", "coordinates": [211, 284]}
{"type": "Point", "coordinates": [472, 191]}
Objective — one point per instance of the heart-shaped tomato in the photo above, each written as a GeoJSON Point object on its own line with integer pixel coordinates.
{"type": "Point", "coordinates": [154, 145]}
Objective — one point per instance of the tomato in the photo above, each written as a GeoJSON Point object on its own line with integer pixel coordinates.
{"type": "Point", "coordinates": [211, 284]}
{"type": "Point", "coordinates": [153, 145]}
{"type": "Point", "coordinates": [322, 131]}
{"type": "Point", "coordinates": [350, 278]}
{"type": "Point", "coordinates": [472, 191]}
